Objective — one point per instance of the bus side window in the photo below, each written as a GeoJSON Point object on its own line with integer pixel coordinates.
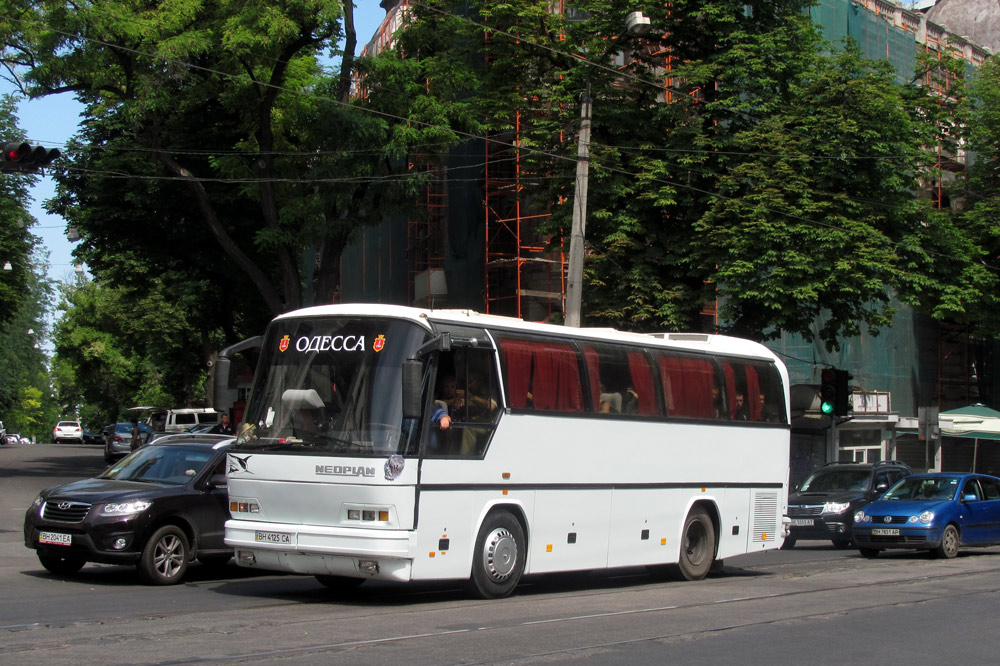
{"type": "Point", "coordinates": [621, 380]}
{"type": "Point", "coordinates": [467, 400]}
{"type": "Point", "coordinates": [761, 386]}
{"type": "Point", "coordinates": [542, 374]}
{"type": "Point", "coordinates": [689, 386]}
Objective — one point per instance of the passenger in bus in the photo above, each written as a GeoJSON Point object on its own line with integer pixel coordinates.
{"type": "Point", "coordinates": [768, 412]}
{"type": "Point", "coordinates": [718, 404]}
{"type": "Point", "coordinates": [610, 401]}
{"type": "Point", "coordinates": [441, 411]}
{"type": "Point", "coordinates": [742, 412]}
{"type": "Point", "coordinates": [630, 401]}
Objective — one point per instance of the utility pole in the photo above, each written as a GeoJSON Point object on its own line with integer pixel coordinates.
{"type": "Point", "coordinates": [636, 23]}
{"type": "Point", "coordinates": [574, 277]}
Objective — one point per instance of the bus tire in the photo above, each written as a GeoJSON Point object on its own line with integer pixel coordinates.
{"type": "Point", "coordinates": [498, 559]}
{"type": "Point", "coordinates": [697, 545]}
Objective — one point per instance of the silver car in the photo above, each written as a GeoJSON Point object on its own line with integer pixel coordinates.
{"type": "Point", "coordinates": [118, 443]}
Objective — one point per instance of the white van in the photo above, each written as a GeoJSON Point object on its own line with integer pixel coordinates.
{"type": "Point", "coordinates": [180, 420]}
{"type": "Point", "coordinates": [170, 421]}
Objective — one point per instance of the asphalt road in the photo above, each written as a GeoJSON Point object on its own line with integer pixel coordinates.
{"type": "Point", "coordinates": [811, 605]}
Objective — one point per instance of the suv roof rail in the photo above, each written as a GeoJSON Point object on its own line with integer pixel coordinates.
{"type": "Point", "coordinates": [891, 462]}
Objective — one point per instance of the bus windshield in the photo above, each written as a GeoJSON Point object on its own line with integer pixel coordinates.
{"type": "Point", "coordinates": [331, 385]}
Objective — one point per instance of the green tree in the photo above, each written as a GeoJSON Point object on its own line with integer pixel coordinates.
{"type": "Point", "coordinates": [118, 347]}
{"type": "Point", "coordinates": [27, 404]}
{"type": "Point", "coordinates": [763, 170]}
{"type": "Point", "coordinates": [229, 108]}
{"type": "Point", "coordinates": [977, 196]}
{"type": "Point", "coordinates": [16, 240]}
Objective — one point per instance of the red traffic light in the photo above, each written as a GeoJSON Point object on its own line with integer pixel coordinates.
{"type": "Point", "coordinates": [25, 158]}
{"type": "Point", "coordinates": [15, 152]}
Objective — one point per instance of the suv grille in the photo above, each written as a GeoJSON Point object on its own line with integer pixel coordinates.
{"type": "Point", "coordinates": [805, 509]}
{"type": "Point", "coordinates": [64, 511]}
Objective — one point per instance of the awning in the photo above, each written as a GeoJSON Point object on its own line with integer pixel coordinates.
{"type": "Point", "coordinates": [973, 422]}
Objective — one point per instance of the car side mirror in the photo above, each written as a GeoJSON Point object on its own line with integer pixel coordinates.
{"type": "Point", "coordinates": [969, 498]}
{"type": "Point", "coordinates": [882, 487]}
{"type": "Point", "coordinates": [218, 481]}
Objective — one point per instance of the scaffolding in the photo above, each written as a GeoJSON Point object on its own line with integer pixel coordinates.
{"type": "Point", "coordinates": [427, 242]}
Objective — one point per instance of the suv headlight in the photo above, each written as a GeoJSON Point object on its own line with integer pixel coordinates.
{"type": "Point", "coordinates": [836, 507]}
{"type": "Point", "coordinates": [125, 508]}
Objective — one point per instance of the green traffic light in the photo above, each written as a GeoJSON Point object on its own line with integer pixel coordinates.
{"type": "Point", "coordinates": [826, 407]}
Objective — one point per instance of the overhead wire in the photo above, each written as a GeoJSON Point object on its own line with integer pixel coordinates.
{"type": "Point", "coordinates": [505, 144]}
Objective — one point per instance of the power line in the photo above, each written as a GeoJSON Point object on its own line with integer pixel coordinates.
{"type": "Point", "coordinates": [505, 144]}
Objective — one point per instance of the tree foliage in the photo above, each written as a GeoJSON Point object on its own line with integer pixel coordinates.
{"type": "Point", "coordinates": [16, 240]}
{"type": "Point", "coordinates": [27, 404]}
{"type": "Point", "coordinates": [762, 171]}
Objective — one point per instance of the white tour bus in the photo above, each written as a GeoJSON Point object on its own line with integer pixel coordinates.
{"type": "Point", "coordinates": [403, 444]}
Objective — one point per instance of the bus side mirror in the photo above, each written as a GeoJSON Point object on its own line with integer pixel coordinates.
{"type": "Point", "coordinates": [413, 377]}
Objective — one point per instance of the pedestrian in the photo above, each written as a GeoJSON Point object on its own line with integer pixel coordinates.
{"type": "Point", "coordinates": [223, 427]}
{"type": "Point", "coordinates": [136, 435]}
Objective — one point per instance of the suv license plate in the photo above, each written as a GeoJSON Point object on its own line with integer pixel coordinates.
{"type": "Point", "coordinates": [885, 531]}
{"type": "Point", "coordinates": [802, 522]}
{"type": "Point", "coordinates": [55, 538]}
{"type": "Point", "coordinates": [273, 537]}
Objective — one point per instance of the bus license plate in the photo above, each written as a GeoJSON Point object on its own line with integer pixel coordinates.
{"type": "Point", "coordinates": [273, 537]}
{"type": "Point", "coordinates": [885, 531]}
{"type": "Point", "coordinates": [802, 522]}
{"type": "Point", "coordinates": [55, 539]}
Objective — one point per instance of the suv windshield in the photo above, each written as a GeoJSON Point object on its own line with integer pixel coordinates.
{"type": "Point", "coordinates": [332, 385]}
{"type": "Point", "coordinates": [171, 465]}
{"type": "Point", "coordinates": [836, 480]}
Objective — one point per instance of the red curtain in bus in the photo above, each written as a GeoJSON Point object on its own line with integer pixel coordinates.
{"type": "Point", "coordinates": [594, 370]}
{"type": "Point", "coordinates": [753, 393]}
{"type": "Point", "coordinates": [555, 384]}
{"type": "Point", "coordinates": [642, 382]}
{"type": "Point", "coordinates": [517, 357]}
{"type": "Point", "coordinates": [687, 386]}
{"type": "Point", "coordinates": [730, 375]}
{"type": "Point", "coordinates": [743, 375]}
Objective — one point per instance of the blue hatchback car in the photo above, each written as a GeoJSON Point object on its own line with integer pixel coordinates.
{"type": "Point", "coordinates": [937, 512]}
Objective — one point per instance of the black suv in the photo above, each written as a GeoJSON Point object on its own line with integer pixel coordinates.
{"type": "Point", "coordinates": [823, 506]}
{"type": "Point", "coordinates": [159, 508]}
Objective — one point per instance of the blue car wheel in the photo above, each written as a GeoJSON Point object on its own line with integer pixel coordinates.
{"type": "Point", "coordinates": [948, 548]}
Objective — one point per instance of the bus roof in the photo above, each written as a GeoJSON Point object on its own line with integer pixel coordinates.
{"type": "Point", "coordinates": [702, 342]}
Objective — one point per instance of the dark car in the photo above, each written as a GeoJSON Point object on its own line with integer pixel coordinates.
{"type": "Point", "coordinates": [159, 508]}
{"type": "Point", "coordinates": [118, 441]}
{"type": "Point", "coordinates": [92, 437]}
{"type": "Point", "coordinates": [937, 512]}
{"type": "Point", "coordinates": [823, 507]}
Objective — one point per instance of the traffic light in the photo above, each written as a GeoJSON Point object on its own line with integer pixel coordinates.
{"type": "Point", "coordinates": [842, 401]}
{"type": "Point", "coordinates": [25, 158]}
{"type": "Point", "coordinates": [834, 392]}
{"type": "Point", "coordinates": [828, 391]}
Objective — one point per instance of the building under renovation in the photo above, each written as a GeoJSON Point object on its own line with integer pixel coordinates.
{"type": "Point", "coordinates": [475, 243]}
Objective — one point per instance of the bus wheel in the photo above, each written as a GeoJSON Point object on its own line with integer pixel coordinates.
{"type": "Point", "coordinates": [498, 559]}
{"type": "Point", "coordinates": [697, 545]}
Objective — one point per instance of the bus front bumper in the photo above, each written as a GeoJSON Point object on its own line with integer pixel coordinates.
{"type": "Point", "coordinates": [317, 550]}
